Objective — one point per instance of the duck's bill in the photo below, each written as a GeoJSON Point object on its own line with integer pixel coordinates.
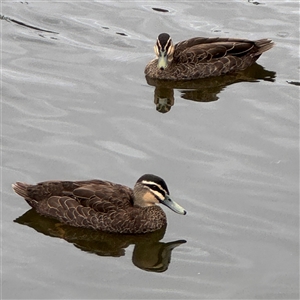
{"type": "Point", "coordinates": [162, 61]}
{"type": "Point", "coordinates": [173, 205]}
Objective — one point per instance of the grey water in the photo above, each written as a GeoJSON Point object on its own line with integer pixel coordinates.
{"type": "Point", "coordinates": [75, 105]}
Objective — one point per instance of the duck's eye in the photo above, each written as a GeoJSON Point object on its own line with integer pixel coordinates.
{"type": "Point", "coordinates": [154, 187]}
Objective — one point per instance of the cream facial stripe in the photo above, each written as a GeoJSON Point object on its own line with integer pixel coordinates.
{"type": "Point", "coordinates": [158, 44]}
{"type": "Point", "coordinates": [160, 193]}
{"type": "Point", "coordinates": [168, 44]}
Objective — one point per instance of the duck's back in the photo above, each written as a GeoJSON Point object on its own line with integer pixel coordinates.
{"type": "Point", "coordinates": [96, 204]}
{"type": "Point", "coordinates": [201, 57]}
{"type": "Point", "coordinates": [89, 193]}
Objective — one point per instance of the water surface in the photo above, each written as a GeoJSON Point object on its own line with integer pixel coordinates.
{"type": "Point", "coordinates": [76, 105]}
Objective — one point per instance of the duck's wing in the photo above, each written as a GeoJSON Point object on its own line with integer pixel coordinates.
{"type": "Point", "coordinates": [93, 204]}
{"type": "Point", "coordinates": [104, 197]}
{"type": "Point", "coordinates": [204, 50]}
{"type": "Point", "coordinates": [99, 195]}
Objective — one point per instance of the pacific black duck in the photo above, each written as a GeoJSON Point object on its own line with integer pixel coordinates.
{"type": "Point", "coordinates": [201, 57]}
{"type": "Point", "coordinates": [102, 205]}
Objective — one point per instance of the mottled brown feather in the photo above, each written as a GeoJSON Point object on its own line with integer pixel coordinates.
{"type": "Point", "coordinates": [206, 57]}
{"type": "Point", "coordinates": [96, 204]}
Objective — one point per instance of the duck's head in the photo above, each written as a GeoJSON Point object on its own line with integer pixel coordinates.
{"type": "Point", "coordinates": [164, 50]}
{"type": "Point", "coordinates": [150, 190]}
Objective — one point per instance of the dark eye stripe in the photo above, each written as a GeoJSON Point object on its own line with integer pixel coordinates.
{"type": "Point", "coordinates": [162, 46]}
{"type": "Point", "coordinates": [156, 188]}
{"type": "Point", "coordinates": [158, 45]}
{"type": "Point", "coordinates": [168, 44]}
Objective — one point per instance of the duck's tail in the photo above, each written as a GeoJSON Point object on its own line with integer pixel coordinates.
{"type": "Point", "coordinates": [263, 45]}
{"type": "Point", "coordinates": [21, 189]}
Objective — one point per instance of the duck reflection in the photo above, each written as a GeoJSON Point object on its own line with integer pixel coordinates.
{"type": "Point", "coordinates": [149, 254]}
{"type": "Point", "coordinates": [205, 89]}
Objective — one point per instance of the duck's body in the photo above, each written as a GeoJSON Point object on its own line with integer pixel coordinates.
{"type": "Point", "coordinates": [102, 205]}
{"type": "Point", "coordinates": [203, 57]}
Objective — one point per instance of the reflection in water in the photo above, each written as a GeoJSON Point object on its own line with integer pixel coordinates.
{"type": "Point", "coordinates": [205, 89]}
{"type": "Point", "coordinates": [294, 82]}
{"type": "Point", "coordinates": [149, 254]}
{"type": "Point", "coordinates": [160, 9]}
{"type": "Point", "coordinates": [2, 17]}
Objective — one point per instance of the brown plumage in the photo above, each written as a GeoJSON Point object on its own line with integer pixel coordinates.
{"type": "Point", "coordinates": [102, 205]}
{"type": "Point", "coordinates": [203, 57]}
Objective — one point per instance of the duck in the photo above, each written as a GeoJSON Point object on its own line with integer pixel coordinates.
{"type": "Point", "coordinates": [202, 57]}
{"type": "Point", "coordinates": [102, 205]}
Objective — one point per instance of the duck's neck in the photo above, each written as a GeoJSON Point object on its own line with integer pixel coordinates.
{"type": "Point", "coordinates": [142, 197]}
